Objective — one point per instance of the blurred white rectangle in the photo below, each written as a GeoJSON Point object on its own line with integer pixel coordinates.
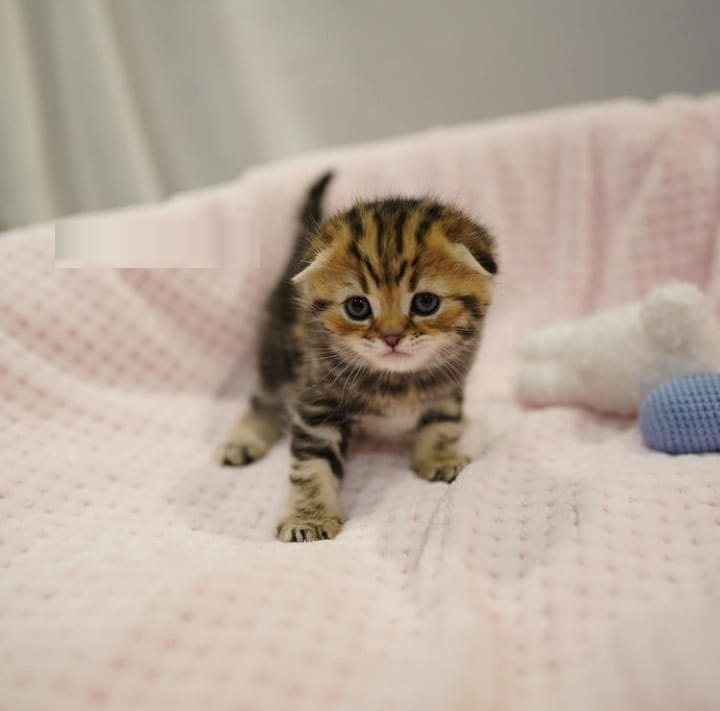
{"type": "Point", "coordinates": [156, 237]}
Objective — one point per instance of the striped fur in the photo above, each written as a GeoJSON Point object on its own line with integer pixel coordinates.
{"type": "Point", "coordinates": [324, 375]}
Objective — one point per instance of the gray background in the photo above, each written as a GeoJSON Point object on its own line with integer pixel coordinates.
{"type": "Point", "coordinates": [111, 102]}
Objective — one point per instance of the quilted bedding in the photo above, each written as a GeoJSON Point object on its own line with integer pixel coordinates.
{"type": "Point", "coordinates": [568, 567]}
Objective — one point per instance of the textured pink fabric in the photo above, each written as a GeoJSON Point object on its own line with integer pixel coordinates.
{"type": "Point", "coordinates": [567, 568]}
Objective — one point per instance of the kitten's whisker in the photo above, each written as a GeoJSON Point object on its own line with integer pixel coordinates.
{"type": "Point", "coordinates": [353, 376]}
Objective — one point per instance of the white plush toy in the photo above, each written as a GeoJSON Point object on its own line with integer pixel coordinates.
{"type": "Point", "coordinates": [608, 362]}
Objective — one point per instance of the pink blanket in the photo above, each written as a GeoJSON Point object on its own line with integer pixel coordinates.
{"type": "Point", "coordinates": [567, 568]}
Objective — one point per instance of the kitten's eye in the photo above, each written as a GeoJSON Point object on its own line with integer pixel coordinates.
{"type": "Point", "coordinates": [425, 304]}
{"type": "Point", "coordinates": [358, 308]}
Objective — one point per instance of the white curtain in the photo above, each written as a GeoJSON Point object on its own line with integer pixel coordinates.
{"type": "Point", "coordinates": [107, 103]}
{"type": "Point", "coordinates": [110, 102]}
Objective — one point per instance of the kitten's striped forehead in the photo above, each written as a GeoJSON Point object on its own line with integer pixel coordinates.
{"type": "Point", "coordinates": [394, 241]}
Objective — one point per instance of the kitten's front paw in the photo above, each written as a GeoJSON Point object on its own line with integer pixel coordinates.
{"type": "Point", "coordinates": [441, 469]}
{"type": "Point", "coordinates": [237, 452]}
{"type": "Point", "coordinates": [296, 529]}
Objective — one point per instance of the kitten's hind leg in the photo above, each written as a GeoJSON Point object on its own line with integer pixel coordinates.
{"type": "Point", "coordinates": [255, 431]}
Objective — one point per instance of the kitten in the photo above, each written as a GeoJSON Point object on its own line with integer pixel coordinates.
{"type": "Point", "coordinates": [375, 323]}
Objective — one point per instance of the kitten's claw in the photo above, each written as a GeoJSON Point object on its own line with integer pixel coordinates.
{"type": "Point", "coordinates": [445, 469]}
{"type": "Point", "coordinates": [299, 530]}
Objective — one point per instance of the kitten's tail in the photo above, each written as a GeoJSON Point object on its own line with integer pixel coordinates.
{"type": "Point", "coordinates": [310, 219]}
{"type": "Point", "coordinates": [311, 215]}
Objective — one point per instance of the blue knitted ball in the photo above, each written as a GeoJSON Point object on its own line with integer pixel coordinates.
{"type": "Point", "coordinates": [682, 416]}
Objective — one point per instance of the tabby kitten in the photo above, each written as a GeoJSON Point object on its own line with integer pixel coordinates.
{"type": "Point", "coordinates": [375, 323]}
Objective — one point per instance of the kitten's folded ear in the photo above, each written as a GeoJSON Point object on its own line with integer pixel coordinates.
{"type": "Point", "coordinates": [475, 246]}
{"type": "Point", "coordinates": [316, 263]}
{"type": "Point", "coordinates": [484, 252]}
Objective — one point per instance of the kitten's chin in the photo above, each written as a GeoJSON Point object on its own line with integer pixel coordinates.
{"type": "Point", "coordinates": [397, 362]}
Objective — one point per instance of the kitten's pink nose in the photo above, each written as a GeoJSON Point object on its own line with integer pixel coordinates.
{"type": "Point", "coordinates": [392, 339]}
